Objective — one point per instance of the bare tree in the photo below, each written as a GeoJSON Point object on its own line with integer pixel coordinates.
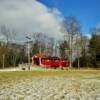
{"type": "Point", "coordinates": [43, 44]}
{"type": "Point", "coordinates": [78, 49]}
{"type": "Point", "coordinates": [5, 32]}
{"type": "Point", "coordinates": [9, 35]}
{"type": "Point", "coordinates": [71, 27]}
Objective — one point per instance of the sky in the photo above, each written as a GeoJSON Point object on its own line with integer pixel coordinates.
{"type": "Point", "coordinates": [86, 11]}
{"type": "Point", "coordinates": [30, 16]}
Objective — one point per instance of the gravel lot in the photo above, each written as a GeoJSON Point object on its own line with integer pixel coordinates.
{"type": "Point", "coordinates": [58, 87]}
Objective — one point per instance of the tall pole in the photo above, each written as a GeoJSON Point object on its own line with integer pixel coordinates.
{"type": "Point", "coordinates": [3, 57]}
{"type": "Point", "coordinates": [28, 52]}
{"type": "Point", "coordinates": [28, 48]}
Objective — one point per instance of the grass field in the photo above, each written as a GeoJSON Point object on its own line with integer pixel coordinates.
{"type": "Point", "coordinates": [17, 75]}
{"type": "Point", "coordinates": [50, 85]}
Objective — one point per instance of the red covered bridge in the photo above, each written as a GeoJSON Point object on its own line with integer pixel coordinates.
{"type": "Point", "coordinates": [47, 61]}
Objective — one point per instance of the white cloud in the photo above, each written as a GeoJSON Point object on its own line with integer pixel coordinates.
{"type": "Point", "coordinates": [88, 36]}
{"type": "Point", "coordinates": [29, 16]}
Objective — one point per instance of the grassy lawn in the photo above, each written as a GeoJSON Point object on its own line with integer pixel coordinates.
{"type": "Point", "coordinates": [6, 77]}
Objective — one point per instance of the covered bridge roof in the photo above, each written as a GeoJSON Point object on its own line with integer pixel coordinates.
{"type": "Point", "coordinates": [39, 56]}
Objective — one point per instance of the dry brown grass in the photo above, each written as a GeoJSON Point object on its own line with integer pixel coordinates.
{"type": "Point", "coordinates": [17, 75]}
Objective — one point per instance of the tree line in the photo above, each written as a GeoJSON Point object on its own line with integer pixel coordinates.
{"type": "Point", "coordinates": [80, 50]}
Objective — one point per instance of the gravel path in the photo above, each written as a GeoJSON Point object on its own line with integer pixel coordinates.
{"type": "Point", "coordinates": [64, 87]}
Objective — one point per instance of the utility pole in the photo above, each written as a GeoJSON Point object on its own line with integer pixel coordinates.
{"type": "Point", "coordinates": [3, 64]}
{"type": "Point", "coordinates": [28, 52]}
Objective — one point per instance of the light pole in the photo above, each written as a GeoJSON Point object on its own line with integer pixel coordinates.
{"type": "Point", "coordinates": [3, 57]}
{"type": "Point", "coordinates": [28, 52]}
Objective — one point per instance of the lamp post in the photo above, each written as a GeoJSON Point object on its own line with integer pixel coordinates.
{"type": "Point", "coordinates": [3, 57]}
{"type": "Point", "coordinates": [28, 52]}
